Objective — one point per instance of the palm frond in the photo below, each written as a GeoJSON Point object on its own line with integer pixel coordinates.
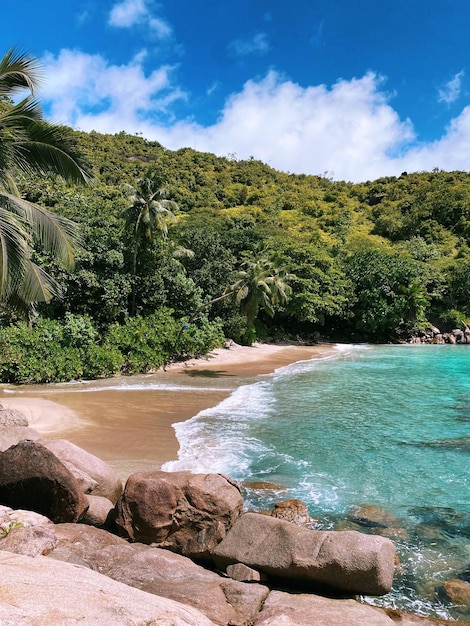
{"type": "Point", "coordinates": [14, 256]}
{"type": "Point", "coordinates": [50, 149]}
{"type": "Point", "coordinates": [57, 235]}
{"type": "Point", "coordinates": [18, 70]}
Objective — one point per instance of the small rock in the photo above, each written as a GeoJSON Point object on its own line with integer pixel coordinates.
{"type": "Point", "coordinates": [294, 511]}
{"type": "Point", "coordinates": [245, 574]}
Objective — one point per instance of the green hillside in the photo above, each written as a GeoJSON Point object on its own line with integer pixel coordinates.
{"type": "Point", "coordinates": [293, 255]}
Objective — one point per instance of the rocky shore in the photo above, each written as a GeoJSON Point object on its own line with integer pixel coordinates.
{"type": "Point", "coordinates": [78, 546]}
{"type": "Point", "coordinates": [435, 336]}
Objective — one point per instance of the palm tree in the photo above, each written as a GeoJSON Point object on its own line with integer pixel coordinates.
{"type": "Point", "coordinates": [31, 145]}
{"type": "Point", "coordinates": [148, 215]}
{"type": "Point", "coordinates": [261, 284]}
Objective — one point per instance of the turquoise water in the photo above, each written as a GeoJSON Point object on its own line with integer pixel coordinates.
{"type": "Point", "coordinates": [387, 426]}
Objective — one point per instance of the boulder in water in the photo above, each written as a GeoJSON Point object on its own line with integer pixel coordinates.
{"type": "Point", "coordinates": [347, 560]}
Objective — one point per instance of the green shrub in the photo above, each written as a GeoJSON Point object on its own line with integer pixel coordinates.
{"type": "Point", "coordinates": [144, 342]}
{"type": "Point", "coordinates": [37, 354]}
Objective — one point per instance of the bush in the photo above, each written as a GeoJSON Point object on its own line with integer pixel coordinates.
{"type": "Point", "coordinates": [53, 351]}
{"type": "Point", "coordinates": [37, 354]}
{"type": "Point", "coordinates": [144, 342]}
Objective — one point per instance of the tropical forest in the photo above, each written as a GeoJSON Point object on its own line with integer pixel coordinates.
{"type": "Point", "coordinates": [118, 255]}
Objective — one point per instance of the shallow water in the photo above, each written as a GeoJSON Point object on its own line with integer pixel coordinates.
{"type": "Point", "coordinates": [387, 426]}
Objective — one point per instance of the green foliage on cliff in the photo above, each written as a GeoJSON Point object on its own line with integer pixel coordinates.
{"type": "Point", "coordinates": [365, 261]}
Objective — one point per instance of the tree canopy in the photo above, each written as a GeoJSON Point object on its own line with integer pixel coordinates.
{"type": "Point", "coordinates": [166, 233]}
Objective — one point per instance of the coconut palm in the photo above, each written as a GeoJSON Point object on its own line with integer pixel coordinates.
{"type": "Point", "coordinates": [30, 145]}
{"type": "Point", "coordinates": [147, 216]}
{"type": "Point", "coordinates": [261, 284]}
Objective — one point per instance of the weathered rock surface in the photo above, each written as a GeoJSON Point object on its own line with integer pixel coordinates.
{"type": "Point", "coordinates": [243, 573]}
{"type": "Point", "coordinates": [83, 545]}
{"type": "Point", "coordinates": [38, 591]}
{"type": "Point", "coordinates": [25, 532]}
{"type": "Point", "coordinates": [171, 575]}
{"type": "Point", "coordinates": [95, 476]}
{"type": "Point", "coordinates": [283, 609]}
{"type": "Point", "coordinates": [294, 511]}
{"type": "Point", "coordinates": [30, 540]}
{"type": "Point", "coordinates": [100, 512]}
{"type": "Point", "coordinates": [187, 513]}
{"type": "Point", "coordinates": [160, 572]}
{"type": "Point", "coordinates": [11, 435]}
{"type": "Point", "coordinates": [12, 417]}
{"type": "Point", "coordinates": [17, 517]}
{"type": "Point", "coordinates": [33, 478]}
{"type": "Point", "coordinates": [374, 517]}
{"type": "Point", "coordinates": [347, 560]}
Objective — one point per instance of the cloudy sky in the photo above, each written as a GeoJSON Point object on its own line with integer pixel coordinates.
{"type": "Point", "coordinates": [352, 89]}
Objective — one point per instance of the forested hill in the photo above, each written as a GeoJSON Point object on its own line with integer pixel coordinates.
{"type": "Point", "coordinates": [371, 261]}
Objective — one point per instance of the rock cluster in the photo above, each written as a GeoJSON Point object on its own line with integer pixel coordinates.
{"type": "Point", "coordinates": [58, 567]}
{"type": "Point", "coordinates": [434, 335]}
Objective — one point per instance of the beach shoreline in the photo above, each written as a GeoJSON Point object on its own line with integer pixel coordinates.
{"type": "Point", "coordinates": [131, 426]}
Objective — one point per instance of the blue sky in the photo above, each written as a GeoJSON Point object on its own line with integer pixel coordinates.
{"type": "Point", "coordinates": [352, 89]}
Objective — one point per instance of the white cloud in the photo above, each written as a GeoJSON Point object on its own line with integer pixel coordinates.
{"type": "Point", "coordinates": [86, 92]}
{"type": "Point", "coordinates": [258, 44]}
{"type": "Point", "coordinates": [349, 129]}
{"type": "Point", "coordinates": [127, 13]}
{"type": "Point", "coordinates": [130, 13]}
{"type": "Point", "coordinates": [451, 91]}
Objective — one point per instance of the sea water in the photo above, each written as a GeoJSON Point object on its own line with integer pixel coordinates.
{"type": "Point", "coordinates": [387, 426]}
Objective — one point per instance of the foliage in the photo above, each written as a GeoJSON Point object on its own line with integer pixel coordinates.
{"type": "Point", "coordinates": [387, 293]}
{"type": "Point", "coordinates": [51, 351]}
{"type": "Point", "coordinates": [147, 343]}
{"type": "Point", "coordinates": [374, 260]}
{"type": "Point", "coordinates": [29, 145]}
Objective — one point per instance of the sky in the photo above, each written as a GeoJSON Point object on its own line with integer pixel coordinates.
{"type": "Point", "coordinates": [349, 89]}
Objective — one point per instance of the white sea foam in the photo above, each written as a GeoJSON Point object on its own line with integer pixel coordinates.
{"type": "Point", "coordinates": [216, 439]}
{"type": "Point", "coordinates": [84, 387]}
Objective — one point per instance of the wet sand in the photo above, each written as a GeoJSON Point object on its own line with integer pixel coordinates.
{"type": "Point", "coordinates": [128, 424]}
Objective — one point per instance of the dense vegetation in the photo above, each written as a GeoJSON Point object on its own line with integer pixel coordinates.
{"type": "Point", "coordinates": [181, 248]}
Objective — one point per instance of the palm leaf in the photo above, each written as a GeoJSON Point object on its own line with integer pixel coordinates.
{"type": "Point", "coordinates": [18, 71]}
{"type": "Point", "coordinates": [13, 252]}
{"type": "Point", "coordinates": [57, 235]}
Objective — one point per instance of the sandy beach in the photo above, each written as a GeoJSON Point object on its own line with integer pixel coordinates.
{"type": "Point", "coordinates": [128, 421]}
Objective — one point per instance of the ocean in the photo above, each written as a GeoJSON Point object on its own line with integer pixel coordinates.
{"type": "Point", "coordinates": [385, 426]}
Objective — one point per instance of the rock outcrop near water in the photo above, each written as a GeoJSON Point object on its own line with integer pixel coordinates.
{"type": "Point", "coordinates": [434, 335]}
{"type": "Point", "coordinates": [346, 561]}
{"type": "Point", "coordinates": [58, 571]}
{"type": "Point", "coordinates": [187, 513]}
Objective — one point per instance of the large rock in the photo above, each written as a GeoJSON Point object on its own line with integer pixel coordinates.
{"type": "Point", "coordinates": [11, 435]}
{"type": "Point", "coordinates": [100, 513]}
{"type": "Point", "coordinates": [83, 545]}
{"type": "Point", "coordinates": [95, 476]}
{"type": "Point", "coordinates": [160, 572]}
{"type": "Point", "coordinates": [41, 590]}
{"type": "Point", "coordinates": [33, 478]}
{"type": "Point", "coordinates": [30, 540]}
{"type": "Point", "coordinates": [456, 592]}
{"type": "Point", "coordinates": [171, 575]}
{"type": "Point", "coordinates": [12, 417]}
{"type": "Point", "coordinates": [187, 513]}
{"type": "Point", "coordinates": [346, 560]}
{"type": "Point", "coordinates": [309, 610]}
